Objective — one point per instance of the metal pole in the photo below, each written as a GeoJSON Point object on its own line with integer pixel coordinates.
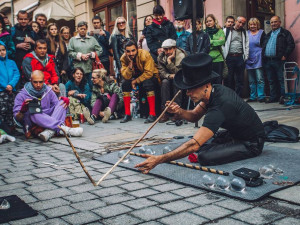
{"type": "Point", "coordinates": [12, 12]}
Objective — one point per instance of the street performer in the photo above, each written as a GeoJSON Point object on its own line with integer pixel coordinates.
{"type": "Point", "coordinates": [223, 108]}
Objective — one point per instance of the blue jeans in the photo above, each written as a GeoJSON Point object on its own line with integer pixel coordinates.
{"type": "Point", "coordinates": [256, 83]}
{"type": "Point", "coordinates": [274, 71]}
{"type": "Point", "coordinates": [236, 68]}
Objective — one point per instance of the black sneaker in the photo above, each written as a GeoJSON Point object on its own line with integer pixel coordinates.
{"type": "Point", "coordinates": [126, 119]}
{"type": "Point", "coordinates": [150, 119]}
{"type": "Point", "coordinates": [262, 100]}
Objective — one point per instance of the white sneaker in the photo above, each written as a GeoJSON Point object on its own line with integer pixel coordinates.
{"type": "Point", "coordinates": [87, 116]}
{"type": "Point", "coordinates": [75, 132]}
{"type": "Point", "coordinates": [46, 135]}
{"type": "Point", "coordinates": [107, 114]}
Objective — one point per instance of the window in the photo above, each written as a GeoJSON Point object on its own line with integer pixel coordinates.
{"type": "Point", "coordinates": [131, 17]}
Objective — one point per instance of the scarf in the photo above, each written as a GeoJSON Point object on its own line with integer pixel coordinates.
{"type": "Point", "coordinates": [159, 23]}
{"type": "Point", "coordinates": [211, 31]}
{"type": "Point", "coordinates": [35, 93]}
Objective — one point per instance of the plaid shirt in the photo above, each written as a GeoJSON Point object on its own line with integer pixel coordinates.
{"type": "Point", "coordinates": [271, 45]}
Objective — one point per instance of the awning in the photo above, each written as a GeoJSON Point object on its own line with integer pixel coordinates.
{"type": "Point", "coordinates": [57, 9]}
{"type": "Point", "coordinates": [30, 7]}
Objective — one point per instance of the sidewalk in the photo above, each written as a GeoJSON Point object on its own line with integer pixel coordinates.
{"type": "Point", "coordinates": [48, 177]}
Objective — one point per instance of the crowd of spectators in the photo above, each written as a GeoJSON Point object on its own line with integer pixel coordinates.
{"type": "Point", "coordinates": [46, 64]}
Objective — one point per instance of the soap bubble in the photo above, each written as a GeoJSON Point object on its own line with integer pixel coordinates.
{"type": "Point", "coordinates": [121, 154]}
{"type": "Point", "coordinates": [142, 149]}
{"type": "Point", "coordinates": [238, 184]}
{"type": "Point", "coordinates": [266, 171]}
{"type": "Point", "coordinates": [4, 204]}
{"type": "Point", "coordinates": [208, 181]}
{"type": "Point", "coordinates": [149, 151]}
{"type": "Point", "coordinates": [167, 149]}
{"type": "Point", "coordinates": [222, 183]}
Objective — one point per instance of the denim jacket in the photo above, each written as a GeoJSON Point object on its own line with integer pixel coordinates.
{"type": "Point", "coordinates": [182, 39]}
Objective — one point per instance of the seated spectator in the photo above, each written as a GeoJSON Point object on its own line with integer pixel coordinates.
{"type": "Point", "coordinates": [182, 34]}
{"type": "Point", "coordinates": [82, 49]}
{"type": "Point", "coordinates": [23, 38]}
{"type": "Point", "coordinates": [40, 60]}
{"type": "Point", "coordinates": [119, 36]}
{"type": "Point", "coordinates": [169, 63]}
{"type": "Point", "coordinates": [6, 38]}
{"type": "Point", "coordinates": [203, 42]}
{"type": "Point", "coordinates": [79, 94]}
{"type": "Point", "coordinates": [106, 96]}
{"type": "Point", "coordinates": [143, 41]}
{"type": "Point", "coordinates": [57, 47]}
{"type": "Point", "coordinates": [52, 111]}
{"type": "Point", "coordinates": [217, 39]}
{"type": "Point", "coordinates": [161, 29]}
{"type": "Point", "coordinates": [9, 77]}
{"type": "Point", "coordinates": [37, 30]}
{"type": "Point", "coordinates": [138, 69]}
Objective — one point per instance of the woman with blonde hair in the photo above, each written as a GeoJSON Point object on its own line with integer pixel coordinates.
{"type": "Point", "coordinates": [217, 39]}
{"type": "Point", "coordinates": [119, 36]}
{"type": "Point", "coordinates": [65, 34]}
{"type": "Point", "coordinates": [106, 96]}
{"type": "Point", "coordinates": [56, 47]}
{"type": "Point", "coordinates": [254, 62]}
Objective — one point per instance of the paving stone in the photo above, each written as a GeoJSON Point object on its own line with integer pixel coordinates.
{"type": "Point", "coordinates": [164, 197]}
{"type": "Point", "coordinates": [73, 182]}
{"type": "Point", "coordinates": [81, 218]}
{"type": "Point", "coordinates": [103, 192]}
{"type": "Point", "coordinates": [19, 179]}
{"type": "Point", "coordinates": [28, 221]}
{"type": "Point", "coordinates": [19, 192]}
{"type": "Point", "coordinates": [227, 221]}
{"type": "Point", "coordinates": [287, 221]}
{"type": "Point", "coordinates": [204, 199]}
{"type": "Point", "coordinates": [289, 194]}
{"type": "Point", "coordinates": [56, 193]}
{"type": "Point", "coordinates": [80, 197]}
{"type": "Point", "coordinates": [112, 182]}
{"type": "Point", "coordinates": [51, 174]}
{"type": "Point", "coordinates": [48, 204]}
{"type": "Point", "coordinates": [233, 205]}
{"type": "Point", "coordinates": [183, 218]}
{"type": "Point", "coordinates": [121, 220]}
{"type": "Point", "coordinates": [211, 212]}
{"type": "Point", "coordinates": [143, 192]}
{"type": "Point", "coordinates": [29, 199]}
{"type": "Point", "coordinates": [155, 181]}
{"type": "Point", "coordinates": [112, 210]}
{"type": "Point", "coordinates": [139, 203]}
{"type": "Point", "coordinates": [125, 173]}
{"type": "Point", "coordinates": [63, 177]}
{"type": "Point", "coordinates": [17, 174]}
{"type": "Point", "coordinates": [178, 206]}
{"type": "Point", "coordinates": [150, 213]}
{"type": "Point", "coordinates": [42, 170]}
{"type": "Point", "coordinates": [59, 211]}
{"type": "Point", "coordinates": [134, 186]}
{"type": "Point", "coordinates": [55, 221]}
{"type": "Point", "coordinates": [135, 178]}
{"type": "Point", "coordinates": [13, 186]}
{"type": "Point", "coordinates": [167, 187]}
{"type": "Point", "coordinates": [38, 181]}
{"type": "Point", "coordinates": [43, 187]}
{"type": "Point", "coordinates": [188, 191]}
{"type": "Point", "coordinates": [257, 216]}
{"type": "Point", "coordinates": [88, 205]}
{"type": "Point", "coordinates": [83, 188]}
{"type": "Point", "coordinates": [117, 198]}
{"type": "Point", "coordinates": [151, 223]}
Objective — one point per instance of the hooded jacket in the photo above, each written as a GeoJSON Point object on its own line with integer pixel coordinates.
{"type": "Point", "coordinates": [31, 63]}
{"type": "Point", "coordinates": [6, 38]}
{"type": "Point", "coordinates": [9, 73]}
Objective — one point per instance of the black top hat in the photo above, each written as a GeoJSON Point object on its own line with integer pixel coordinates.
{"type": "Point", "coordinates": [196, 71]}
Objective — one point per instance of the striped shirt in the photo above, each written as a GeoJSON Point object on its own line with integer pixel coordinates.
{"type": "Point", "coordinates": [271, 45]}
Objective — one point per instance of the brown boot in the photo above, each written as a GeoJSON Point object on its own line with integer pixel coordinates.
{"type": "Point", "coordinates": [164, 118]}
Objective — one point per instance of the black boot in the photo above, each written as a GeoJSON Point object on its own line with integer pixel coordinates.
{"type": "Point", "coordinates": [126, 119]}
{"type": "Point", "coordinates": [150, 119]}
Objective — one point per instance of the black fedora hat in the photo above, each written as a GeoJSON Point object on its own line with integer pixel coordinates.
{"type": "Point", "coordinates": [196, 71]}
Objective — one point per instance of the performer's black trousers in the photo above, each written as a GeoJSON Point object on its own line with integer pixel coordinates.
{"type": "Point", "coordinates": [224, 149]}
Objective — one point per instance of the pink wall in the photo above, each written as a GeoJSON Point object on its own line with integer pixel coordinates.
{"type": "Point", "coordinates": [292, 23]}
{"type": "Point", "coordinates": [214, 7]}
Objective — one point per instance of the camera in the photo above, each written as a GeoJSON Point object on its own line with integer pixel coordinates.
{"type": "Point", "coordinates": [34, 106]}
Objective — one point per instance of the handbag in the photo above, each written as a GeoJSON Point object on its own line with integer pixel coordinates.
{"type": "Point", "coordinates": [97, 63]}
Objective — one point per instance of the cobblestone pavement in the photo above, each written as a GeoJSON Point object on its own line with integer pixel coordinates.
{"type": "Point", "coordinates": [48, 178]}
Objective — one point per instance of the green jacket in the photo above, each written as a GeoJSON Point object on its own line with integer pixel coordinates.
{"type": "Point", "coordinates": [109, 88]}
{"type": "Point", "coordinates": [216, 46]}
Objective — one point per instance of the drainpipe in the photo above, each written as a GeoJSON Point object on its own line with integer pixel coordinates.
{"type": "Point", "coordinates": [12, 12]}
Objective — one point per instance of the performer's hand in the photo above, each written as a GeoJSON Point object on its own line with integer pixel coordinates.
{"type": "Point", "coordinates": [24, 107]}
{"type": "Point", "coordinates": [65, 102]}
{"type": "Point", "coordinates": [151, 162]}
{"type": "Point", "coordinates": [174, 108]}
{"type": "Point", "coordinates": [72, 92]}
{"type": "Point", "coordinates": [133, 84]}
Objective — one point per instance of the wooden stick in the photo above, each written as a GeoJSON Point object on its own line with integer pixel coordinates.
{"type": "Point", "coordinates": [206, 169]}
{"type": "Point", "coordinates": [153, 124]}
{"type": "Point", "coordinates": [77, 156]}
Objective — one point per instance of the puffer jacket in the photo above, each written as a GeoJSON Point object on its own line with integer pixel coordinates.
{"type": "Point", "coordinates": [145, 64]}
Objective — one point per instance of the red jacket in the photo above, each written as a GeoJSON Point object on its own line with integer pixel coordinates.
{"type": "Point", "coordinates": [31, 63]}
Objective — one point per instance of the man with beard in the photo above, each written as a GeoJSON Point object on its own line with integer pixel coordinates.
{"type": "Point", "coordinates": [138, 69]}
{"type": "Point", "coordinates": [182, 34]}
{"type": "Point", "coordinates": [169, 63]}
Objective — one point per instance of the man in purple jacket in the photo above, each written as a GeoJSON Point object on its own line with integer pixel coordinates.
{"type": "Point", "coordinates": [49, 112]}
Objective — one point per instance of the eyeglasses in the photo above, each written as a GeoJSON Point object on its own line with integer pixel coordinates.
{"type": "Point", "coordinates": [121, 22]}
{"type": "Point", "coordinates": [94, 78]}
